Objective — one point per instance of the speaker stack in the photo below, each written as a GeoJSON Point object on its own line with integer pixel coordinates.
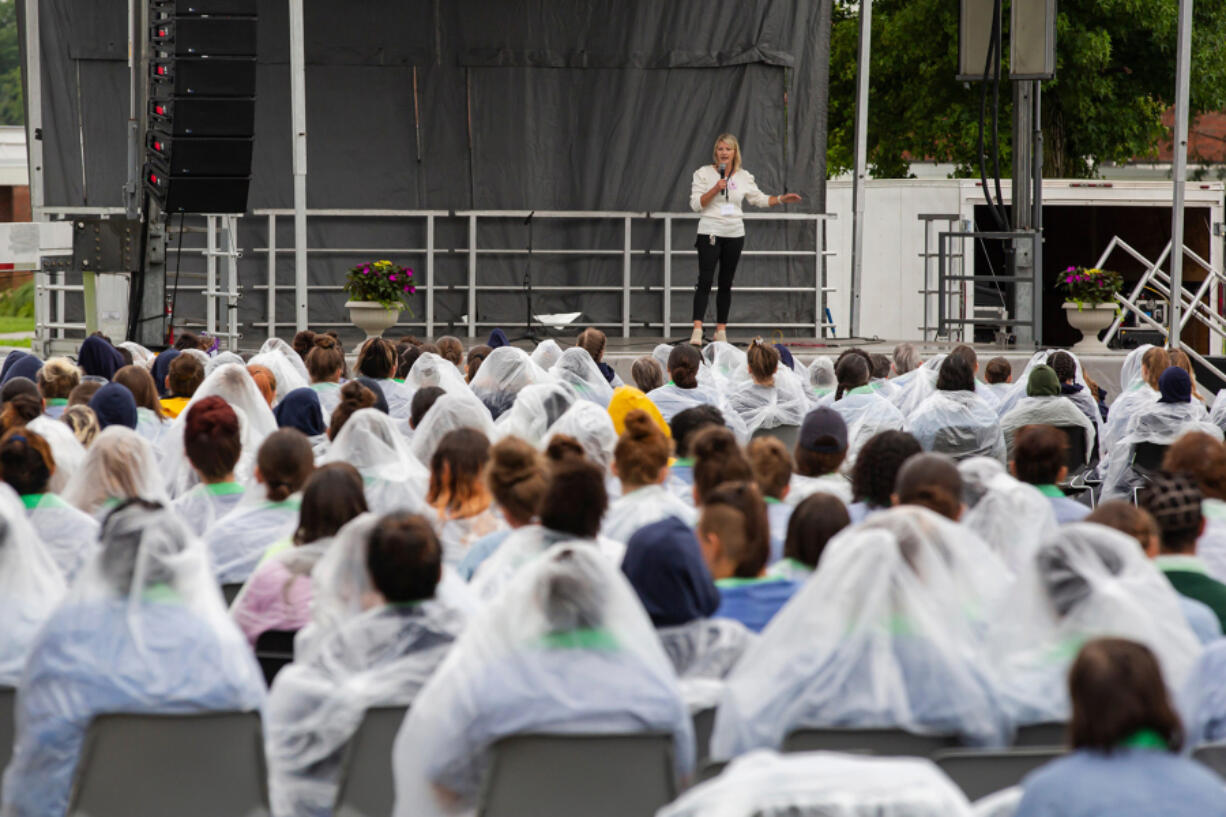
{"type": "Point", "coordinates": [201, 116]}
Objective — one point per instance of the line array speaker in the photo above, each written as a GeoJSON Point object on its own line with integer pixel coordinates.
{"type": "Point", "coordinates": [201, 115]}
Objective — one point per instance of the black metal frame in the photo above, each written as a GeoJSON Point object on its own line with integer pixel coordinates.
{"type": "Point", "coordinates": [944, 321]}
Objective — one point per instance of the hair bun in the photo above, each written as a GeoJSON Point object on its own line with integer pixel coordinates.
{"type": "Point", "coordinates": [640, 426]}
{"type": "Point", "coordinates": [510, 464]}
{"type": "Point", "coordinates": [356, 396]}
{"type": "Point", "coordinates": [325, 342]}
{"type": "Point", "coordinates": [564, 447]}
{"type": "Point", "coordinates": [211, 416]}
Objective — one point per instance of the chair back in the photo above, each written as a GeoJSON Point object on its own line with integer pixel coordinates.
{"type": "Point", "coordinates": [1212, 755]}
{"type": "Point", "coordinates": [979, 772]}
{"type": "Point", "coordinates": [1147, 457]}
{"type": "Point", "coordinates": [1051, 733]}
{"type": "Point", "coordinates": [897, 742]}
{"type": "Point", "coordinates": [788, 435]}
{"type": "Point", "coordinates": [8, 728]}
{"type": "Point", "coordinates": [624, 775]}
{"type": "Point", "coordinates": [958, 442]}
{"type": "Point", "coordinates": [274, 649]}
{"type": "Point", "coordinates": [704, 725]}
{"type": "Point", "coordinates": [199, 765]}
{"type": "Point", "coordinates": [1076, 458]}
{"type": "Point", "coordinates": [366, 786]}
{"type": "Point", "coordinates": [229, 592]}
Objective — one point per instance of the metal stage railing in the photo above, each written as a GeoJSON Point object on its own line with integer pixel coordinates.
{"type": "Point", "coordinates": [58, 297]}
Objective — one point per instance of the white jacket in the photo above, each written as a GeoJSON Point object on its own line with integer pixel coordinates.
{"type": "Point", "coordinates": [722, 216]}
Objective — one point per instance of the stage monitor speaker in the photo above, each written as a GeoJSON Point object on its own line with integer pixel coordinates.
{"type": "Point", "coordinates": [1032, 39]}
{"type": "Point", "coordinates": [189, 76]}
{"type": "Point", "coordinates": [201, 114]}
{"type": "Point", "coordinates": [974, 35]}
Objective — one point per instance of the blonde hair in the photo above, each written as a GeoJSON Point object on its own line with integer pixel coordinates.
{"type": "Point", "coordinates": [736, 152]}
{"type": "Point", "coordinates": [58, 377]}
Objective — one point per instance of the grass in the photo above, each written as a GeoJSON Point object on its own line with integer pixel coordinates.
{"type": "Point", "coordinates": [19, 343]}
{"type": "Point", "coordinates": [9, 324]}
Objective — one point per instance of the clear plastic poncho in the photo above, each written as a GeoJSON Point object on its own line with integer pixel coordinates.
{"type": "Point", "coordinates": [449, 412]}
{"type": "Point", "coordinates": [1011, 516]}
{"type": "Point", "coordinates": [566, 648]}
{"type": "Point", "coordinates": [395, 480]}
{"type": "Point", "coordinates": [760, 407]}
{"type": "Point", "coordinates": [822, 379]}
{"type": "Point", "coordinates": [592, 427]}
{"type": "Point", "coordinates": [768, 784]}
{"type": "Point", "coordinates": [69, 535]}
{"type": "Point", "coordinates": [238, 541]}
{"type": "Point", "coordinates": [959, 424]}
{"type": "Point", "coordinates": [204, 504]}
{"type": "Point", "coordinates": [1053, 411]}
{"type": "Point", "coordinates": [1086, 581]}
{"type": "Point", "coordinates": [920, 387]}
{"type": "Point", "coordinates": [288, 376]}
{"type": "Point", "coordinates": [866, 414]}
{"type": "Point", "coordinates": [525, 544]}
{"type": "Point", "coordinates": [640, 508]}
{"type": "Point", "coordinates": [31, 585]}
{"type": "Point", "coordinates": [546, 353]}
{"type": "Point", "coordinates": [140, 355]}
{"type": "Point", "coordinates": [703, 652]}
{"type": "Point", "coordinates": [576, 369]}
{"type": "Point", "coordinates": [66, 449]}
{"type": "Point", "coordinates": [234, 384]}
{"type": "Point", "coordinates": [1217, 414]}
{"type": "Point", "coordinates": [502, 375]}
{"type": "Point", "coordinates": [119, 465]}
{"type": "Point", "coordinates": [1202, 701]}
{"type": "Point", "coordinates": [341, 588]}
{"type": "Point", "coordinates": [285, 350]}
{"type": "Point", "coordinates": [431, 370]}
{"type": "Point", "coordinates": [381, 657]}
{"type": "Point", "coordinates": [887, 633]}
{"type": "Point", "coordinates": [143, 629]}
{"type": "Point", "coordinates": [535, 410]}
{"type": "Point", "coordinates": [221, 359]}
{"type": "Point", "coordinates": [1161, 423]}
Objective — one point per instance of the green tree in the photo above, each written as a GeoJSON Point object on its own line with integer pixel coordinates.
{"type": "Point", "coordinates": [11, 112]}
{"type": "Point", "coordinates": [1115, 75]}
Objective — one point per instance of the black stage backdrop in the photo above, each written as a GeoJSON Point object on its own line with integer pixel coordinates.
{"type": "Point", "coordinates": [532, 104]}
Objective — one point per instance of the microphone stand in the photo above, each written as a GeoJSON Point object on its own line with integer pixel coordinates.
{"type": "Point", "coordinates": [529, 332]}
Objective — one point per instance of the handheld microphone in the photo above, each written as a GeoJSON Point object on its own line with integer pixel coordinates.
{"type": "Point", "coordinates": [722, 170]}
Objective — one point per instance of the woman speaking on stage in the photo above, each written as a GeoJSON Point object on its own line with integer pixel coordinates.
{"type": "Point", "coordinates": [717, 191]}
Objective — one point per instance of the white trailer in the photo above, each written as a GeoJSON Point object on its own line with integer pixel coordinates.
{"type": "Point", "coordinates": [904, 216]}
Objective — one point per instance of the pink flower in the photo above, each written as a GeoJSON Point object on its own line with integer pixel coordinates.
{"type": "Point", "coordinates": [392, 277]}
{"type": "Point", "coordinates": [406, 289]}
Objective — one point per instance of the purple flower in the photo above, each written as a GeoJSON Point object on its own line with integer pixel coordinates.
{"type": "Point", "coordinates": [406, 289]}
{"type": "Point", "coordinates": [1071, 269]}
{"type": "Point", "coordinates": [366, 271]}
{"type": "Point", "coordinates": [392, 277]}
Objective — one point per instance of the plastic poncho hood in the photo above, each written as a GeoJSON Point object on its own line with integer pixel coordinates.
{"type": "Point", "coordinates": [1013, 518]}
{"type": "Point", "coordinates": [1086, 581]}
{"type": "Point", "coordinates": [30, 585]}
{"type": "Point", "coordinates": [535, 411]}
{"type": "Point", "coordinates": [576, 369]}
{"type": "Point", "coordinates": [592, 427]}
{"type": "Point", "coordinates": [119, 465]}
{"type": "Point", "coordinates": [888, 632]}
{"type": "Point", "coordinates": [502, 375]}
{"type": "Point", "coordinates": [449, 412]}
{"type": "Point", "coordinates": [959, 424]}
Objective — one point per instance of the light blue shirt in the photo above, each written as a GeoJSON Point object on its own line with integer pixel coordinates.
{"type": "Point", "coordinates": [777, 514]}
{"type": "Point", "coordinates": [1201, 618]}
{"type": "Point", "coordinates": [481, 550]}
{"type": "Point", "coordinates": [1126, 783]}
{"type": "Point", "coordinates": [753, 602]}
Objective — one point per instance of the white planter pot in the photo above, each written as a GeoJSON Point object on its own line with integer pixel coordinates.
{"type": "Point", "coordinates": [1089, 320]}
{"type": "Point", "coordinates": [372, 317]}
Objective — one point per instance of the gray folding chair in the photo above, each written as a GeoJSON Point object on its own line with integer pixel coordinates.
{"type": "Point", "coordinates": [366, 788]}
{"type": "Point", "coordinates": [8, 727]}
{"type": "Point", "coordinates": [980, 772]}
{"type": "Point", "coordinates": [229, 592]}
{"type": "Point", "coordinates": [788, 435]}
{"type": "Point", "coordinates": [627, 775]}
{"type": "Point", "coordinates": [704, 725]}
{"type": "Point", "coordinates": [1212, 755]}
{"type": "Point", "coordinates": [1052, 733]}
{"type": "Point", "coordinates": [868, 741]}
{"type": "Point", "coordinates": [198, 765]}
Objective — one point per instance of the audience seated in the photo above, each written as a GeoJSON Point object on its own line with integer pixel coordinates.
{"type": "Point", "coordinates": [184, 374]}
{"type": "Point", "coordinates": [517, 480]}
{"type": "Point", "coordinates": [1044, 405]}
{"type": "Point", "coordinates": [56, 380]}
{"type": "Point", "coordinates": [887, 633]}
{"type": "Point", "coordinates": [577, 369]}
{"type": "Point", "coordinates": [1012, 517]}
{"type": "Point", "coordinates": [864, 410]}
{"type": "Point", "coordinates": [1039, 458]}
{"type": "Point", "coordinates": [462, 508]}
{"type": "Point", "coordinates": [772, 471]}
{"type": "Point", "coordinates": [1125, 737]}
{"type": "Point", "coordinates": [734, 536]}
{"type": "Point", "coordinates": [566, 648]}
{"type": "Point", "coordinates": [771, 396]}
{"type": "Point", "coordinates": [1203, 457]}
{"type": "Point", "coordinates": [685, 426]}
{"type": "Point", "coordinates": [237, 541]}
{"type": "Point", "coordinates": [31, 584]}
{"type": "Point", "coordinates": [69, 536]}
{"type": "Point", "coordinates": [640, 463]}
{"type": "Point", "coordinates": [278, 594]}
{"type": "Point", "coordinates": [119, 465]}
{"type": "Point", "coordinates": [813, 523]}
{"type": "Point", "coordinates": [820, 450]}
{"type": "Point", "coordinates": [954, 419]}
{"type": "Point", "coordinates": [381, 656]}
{"type": "Point", "coordinates": [1139, 524]}
{"type": "Point", "coordinates": [212, 442]}
{"type": "Point", "coordinates": [370, 443]}
{"type": "Point", "coordinates": [872, 480]}
{"type": "Point", "coordinates": [142, 630]}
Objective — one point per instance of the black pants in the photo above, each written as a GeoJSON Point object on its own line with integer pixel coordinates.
{"type": "Point", "coordinates": [725, 253]}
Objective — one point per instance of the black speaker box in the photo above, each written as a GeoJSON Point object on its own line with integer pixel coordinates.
{"type": "Point", "coordinates": [197, 194]}
{"type": "Point", "coordinates": [191, 76]}
{"type": "Point", "coordinates": [204, 117]}
{"type": "Point", "coordinates": [201, 156]}
{"type": "Point", "coordinates": [206, 36]}
{"type": "Point", "coordinates": [206, 8]}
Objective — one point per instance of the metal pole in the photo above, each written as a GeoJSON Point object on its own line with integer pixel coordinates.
{"type": "Point", "coordinates": [668, 277]}
{"type": "Point", "coordinates": [1179, 171]}
{"type": "Point", "coordinates": [297, 73]}
{"type": "Point", "coordinates": [272, 276]}
{"type": "Point", "coordinates": [136, 75]}
{"type": "Point", "coordinates": [861, 160]}
{"type": "Point", "coordinates": [210, 279]}
{"type": "Point", "coordinates": [34, 110]}
{"type": "Point", "coordinates": [1022, 211]}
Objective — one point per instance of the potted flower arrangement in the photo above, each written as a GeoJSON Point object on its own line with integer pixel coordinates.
{"type": "Point", "coordinates": [377, 292]}
{"type": "Point", "coordinates": [1089, 303]}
